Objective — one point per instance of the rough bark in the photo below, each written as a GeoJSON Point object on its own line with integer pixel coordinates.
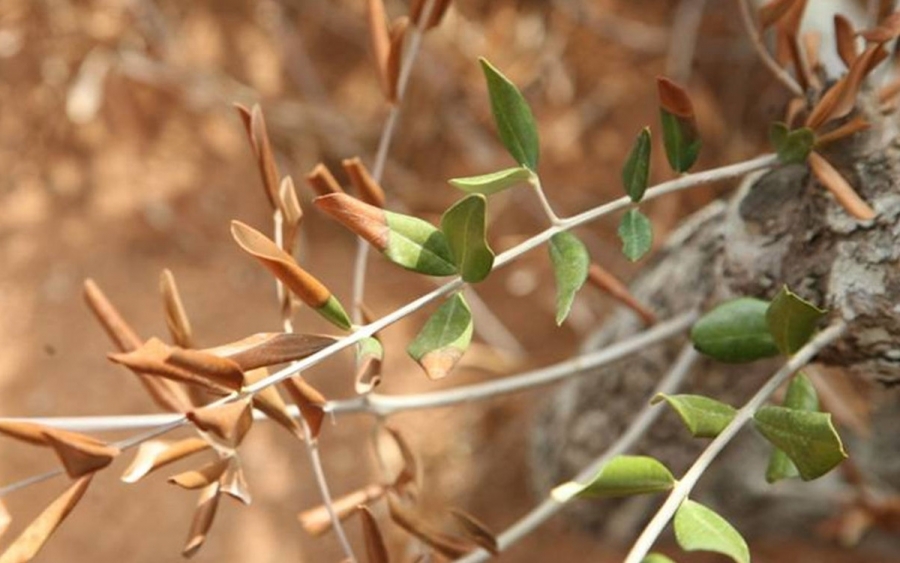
{"type": "Point", "coordinates": [781, 227]}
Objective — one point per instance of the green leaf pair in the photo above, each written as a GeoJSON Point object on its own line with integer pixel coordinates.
{"type": "Point", "coordinates": [794, 146]}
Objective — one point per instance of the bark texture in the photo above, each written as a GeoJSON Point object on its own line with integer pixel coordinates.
{"type": "Point", "coordinates": [781, 227]}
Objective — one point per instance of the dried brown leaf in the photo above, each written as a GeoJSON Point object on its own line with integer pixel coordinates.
{"type": "Point", "coordinates": [853, 126]}
{"type": "Point", "coordinates": [378, 34]}
{"type": "Point", "coordinates": [674, 99]}
{"type": "Point", "coordinates": [365, 220]}
{"type": "Point", "coordinates": [316, 521]}
{"type": "Point", "coordinates": [376, 550]}
{"type": "Point", "coordinates": [33, 538]}
{"type": "Point", "coordinates": [789, 23]}
{"type": "Point", "coordinates": [269, 401]}
{"type": "Point", "coordinates": [230, 421]}
{"type": "Point", "coordinates": [605, 281]}
{"type": "Point", "coordinates": [234, 484]}
{"type": "Point", "coordinates": [282, 265]}
{"type": "Point", "coordinates": [889, 91]}
{"type": "Point", "coordinates": [840, 188]}
{"type": "Point", "coordinates": [292, 212]}
{"type": "Point", "coordinates": [395, 56]}
{"type": "Point", "coordinates": [369, 190]}
{"type": "Point", "coordinates": [309, 400]}
{"type": "Point", "coordinates": [477, 531]}
{"type": "Point", "coordinates": [799, 60]}
{"type": "Point", "coordinates": [203, 477]}
{"type": "Point", "coordinates": [79, 454]}
{"type": "Point", "coordinates": [204, 515]}
{"type": "Point", "coordinates": [772, 12]}
{"type": "Point", "coordinates": [845, 37]}
{"type": "Point", "coordinates": [221, 371]}
{"type": "Point", "coordinates": [151, 359]}
{"type": "Point", "coordinates": [269, 348]}
{"type": "Point", "coordinates": [165, 394]}
{"type": "Point", "coordinates": [322, 181]}
{"type": "Point", "coordinates": [840, 99]}
{"type": "Point", "coordinates": [176, 316]}
{"type": "Point", "coordinates": [36, 434]}
{"type": "Point", "coordinates": [437, 12]}
{"type": "Point", "coordinates": [447, 545]}
{"type": "Point", "coordinates": [368, 375]}
{"type": "Point", "coordinates": [255, 125]}
{"type": "Point", "coordinates": [887, 29]}
{"type": "Point", "coordinates": [155, 454]}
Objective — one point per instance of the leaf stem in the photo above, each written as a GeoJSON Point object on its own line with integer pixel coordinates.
{"type": "Point", "coordinates": [686, 484]}
{"type": "Point", "coordinates": [756, 39]}
{"type": "Point", "coordinates": [535, 182]}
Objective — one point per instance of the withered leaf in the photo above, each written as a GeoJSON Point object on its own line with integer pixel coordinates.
{"type": "Point", "coordinates": [230, 421]}
{"type": "Point", "coordinates": [233, 483]}
{"type": "Point", "coordinates": [369, 190]}
{"type": "Point", "coordinates": [269, 401]}
{"type": "Point", "coordinates": [36, 434]}
{"type": "Point", "coordinates": [853, 126]}
{"type": "Point", "coordinates": [845, 37]}
{"type": "Point", "coordinates": [158, 453]}
{"type": "Point", "coordinates": [292, 212]}
{"type": "Point", "coordinates": [221, 371]}
{"type": "Point", "coordinates": [772, 12]}
{"type": "Point", "coordinates": [204, 515]}
{"type": "Point", "coordinates": [376, 550]}
{"type": "Point", "coordinates": [438, 9]}
{"type": "Point", "coordinates": [166, 394]}
{"type": "Point", "coordinates": [203, 477]}
{"type": "Point", "coordinates": [322, 181]}
{"type": "Point", "coordinates": [381, 41]}
{"type": "Point", "coordinates": [395, 57]}
{"type": "Point", "coordinates": [840, 99]}
{"type": "Point", "coordinates": [80, 456]}
{"type": "Point", "coordinates": [447, 545]}
{"type": "Point", "coordinates": [33, 538]}
{"type": "Point", "coordinates": [476, 531]}
{"type": "Point", "coordinates": [309, 400]}
{"type": "Point", "coordinates": [840, 188]}
{"type": "Point", "coordinates": [176, 317]}
{"type": "Point", "coordinates": [887, 29]}
{"type": "Point", "coordinates": [605, 281]}
{"type": "Point", "coordinates": [151, 358]}
{"type": "Point", "coordinates": [316, 521]}
{"type": "Point", "coordinates": [269, 348]}
{"type": "Point", "coordinates": [255, 124]}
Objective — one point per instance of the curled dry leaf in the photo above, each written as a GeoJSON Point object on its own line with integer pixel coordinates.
{"type": "Point", "coordinates": [772, 12]}
{"type": "Point", "coordinates": [608, 283]}
{"type": "Point", "coordinates": [176, 317]}
{"type": "Point", "coordinates": [840, 99]}
{"type": "Point", "coordinates": [152, 359]}
{"type": "Point", "coordinates": [887, 29]}
{"type": "Point", "coordinates": [366, 221]}
{"type": "Point", "coordinates": [37, 434]}
{"type": "Point", "coordinates": [316, 521]}
{"type": "Point", "coordinates": [80, 455]}
{"type": "Point", "coordinates": [255, 124]}
{"type": "Point", "coordinates": [203, 477]}
{"type": "Point", "coordinates": [309, 401]}
{"type": "Point", "coordinates": [369, 190]}
{"type": "Point", "coordinates": [269, 401]}
{"type": "Point", "coordinates": [221, 371]}
{"type": "Point", "coordinates": [158, 453]}
{"type": "Point", "coordinates": [369, 355]}
{"type": "Point", "coordinates": [33, 538]}
{"type": "Point", "coordinates": [233, 483]}
{"type": "Point", "coordinates": [204, 515]}
{"type": "Point", "coordinates": [438, 9]}
{"type": "Point", "coordinates": [840, 188]}
{"type": "Point", "coordinates": [283, 266]}
{"type": "Point", "coordinates": [292, 213]}
{"type": "Point", "coordinates": [322, 181]}
{"type": "Point", "coordinates": [853, 126]}
{"type": "Point", "coordinates": [230, 421]}
{"type": "Point", "coordinates": [476, 531]}
{"type": "Point", "coordinates": [269, 348]}
{"type": "Point", "coordinates": [165, 394]}
{"type": "Point", "coordinates": [395, 57]}
{"type": "Point", "coordinates": [376, 550]}
{"type": "Point", "coordinates": [447, 545]}
{"type": "Point", "coordinates": [845, 37]}
{"type": "Point", "coordinates": [381, 41]}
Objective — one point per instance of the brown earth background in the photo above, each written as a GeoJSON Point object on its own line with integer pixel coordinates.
{"type": "Point", "coordinates": [121, 155]}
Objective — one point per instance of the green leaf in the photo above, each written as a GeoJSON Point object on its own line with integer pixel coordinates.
{"type": "Point", "coordinates": [494, 182]}
{"type": "Point", "coordinates": [697, 528]}
{"type": "Point", "coordinates": [636, 234]}
{"type": "Point", "coordinates": [627, 475]}
{"type": "Point", "coordinates": [335, 313]}
{"type": "Point", "coordinates": [515, 123]}
{"type": "Point", "coordinates": [636, 171]}
{"type": "Point", "coordinates": [570, 261]}
{"type": "Point", "coordinates": [417, 245]}
{"type": "Point", "coordinates": [464, 226]}
{"type": "Point", "coordinates": [808, 438]}
{"type": "Point", "coordinates": [791, 146]}
{"type": "Point", "coordinates": [657, 558]}
{"type": "Point", "coordinates": [369, 347]}
{"type": "Point", "coordinates": [801, 395]}
{"type": "Point", "coordinates": [792, 320]}
{"type": "Point", "coordinates": [681, 141]}
{"type": "Point", "coordinates": [444, 338]}
{"type": "Point", "coordinates": [736, 331]}
{"type": "Point", "coordinates": [704, 417]}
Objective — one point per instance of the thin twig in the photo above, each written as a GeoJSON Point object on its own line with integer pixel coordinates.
{"type": "Point", "coordinates": [642, 422]}
{"type": "Point", "coordinates": [686, 484]}
{"type": "Point", "coordinates": [764, 55]}
{"type": "Point", "coordinates": [683, 38]}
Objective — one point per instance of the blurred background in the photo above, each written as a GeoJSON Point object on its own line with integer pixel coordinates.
{"type": "Point", "coordinates": [121, 154]}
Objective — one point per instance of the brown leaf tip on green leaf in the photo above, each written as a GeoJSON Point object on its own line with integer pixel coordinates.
{"type": "Point", "coordinates": [322, 181]}
{"type": "Point", "coordinates": [369, 190]}
{"type": "Point", "coordinates": [366, 221]}
{"type": "Point", "coordinates": [674, 99]}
